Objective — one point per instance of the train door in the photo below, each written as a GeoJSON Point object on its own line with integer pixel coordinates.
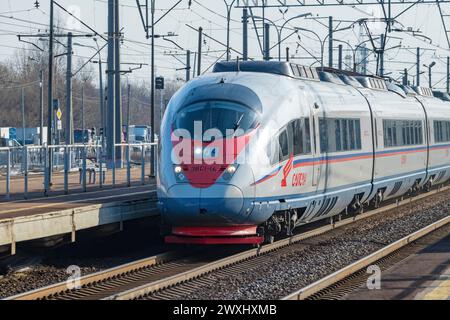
{"type": "Point", "coordinates": [316, 145]}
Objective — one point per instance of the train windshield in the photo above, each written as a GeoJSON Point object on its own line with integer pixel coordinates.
{"type": "Point", "coordinates": [229, 118]}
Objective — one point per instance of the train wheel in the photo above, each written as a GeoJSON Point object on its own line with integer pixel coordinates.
{"type": "Point", "coordinates": [269, 239]}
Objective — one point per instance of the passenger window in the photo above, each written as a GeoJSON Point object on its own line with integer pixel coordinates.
{"type": "Point", "coordinates": [340, 135]}
{"type": "Point", "coordinates": [295, 70]}
{"type": "Point", "coordinates": [299, 136]}
{"type": "Point", "coordinates": [294, 139]}
{"type": "Point", "coordinates": [284, 146]}
{"type": "Point", "coordinates": [441, 131]}
{"type": "Point", "coordinates": [402, 133]}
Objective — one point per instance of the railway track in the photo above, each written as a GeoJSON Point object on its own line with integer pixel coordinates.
{"type": "Point", "coordinates": [103, 284]}
{"type": "Point", "coordinates": [340, 283]}
{"type": "Point", "coordinates": [169, 276]}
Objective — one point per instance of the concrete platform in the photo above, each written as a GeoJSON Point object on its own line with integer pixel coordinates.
{"type": "Point", "coordinates": [422, 276]}
{"type": "Point", "coordinates": [43, 217]}
{"type": "Point", "coordinates": [36, 183]}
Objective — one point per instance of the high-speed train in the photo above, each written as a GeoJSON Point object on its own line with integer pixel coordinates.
{"type": "Point", "coordinates": [255, 149]}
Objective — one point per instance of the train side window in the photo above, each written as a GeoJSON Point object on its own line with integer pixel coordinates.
{"type": "Point", "coordinates": [273, 151]}
{"type": "Point", "coordinates": [340, 135]}
{"type": "Point", "coordinates": [352, 135]}
{"type": "Point", "coordinates": [448, 130]}
{"type": "Point", "coordinates": [295, 70]}
{"type": "Point", "coordinates": [299, 136]}
{"type": "Point", "coordinates": [441, 131]}
{"type": "Point", "coordinates": [307, 131]}
{"type": "Point", "coordinates": [447, 126]}
{"type": "Point", "coordinates": [284, 145]}
{"type": "Point", "coordinates": [358, 134]}
{"type": "Point", "coordinates": [323, 132]}
{"type": "Point", "coordinates": [402, 133]}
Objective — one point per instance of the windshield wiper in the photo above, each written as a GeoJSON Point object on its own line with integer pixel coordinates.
{"type": "Point", "coordinates": [238, 124]}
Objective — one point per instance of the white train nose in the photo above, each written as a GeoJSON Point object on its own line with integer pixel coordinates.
{"type": "Point", "coordinates": [218, 204]}
{"type": "Point", "coordinates": [226, 200]}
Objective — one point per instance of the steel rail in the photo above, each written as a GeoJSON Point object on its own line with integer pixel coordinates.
{"type": "Point", "coordinates": [206, 268]}
{"type": "Point", "coordinates": [52, 290]}
{"type": "Point", "coordinates": [348, 271]}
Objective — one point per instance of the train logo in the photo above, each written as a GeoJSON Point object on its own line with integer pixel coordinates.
{"type": "Point", "coordinates": [287, 170]}
{"type": "Point", "coordinates": [299, 179]}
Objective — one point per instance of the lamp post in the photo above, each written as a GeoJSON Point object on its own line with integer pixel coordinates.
{"type": "Point", "coordinates": [48, 182]}
{"type": "Point", "coordinates": [430, 67]}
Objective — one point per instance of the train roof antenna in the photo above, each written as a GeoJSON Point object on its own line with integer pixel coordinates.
{"type": "Point", "coordinates": [238, 64]}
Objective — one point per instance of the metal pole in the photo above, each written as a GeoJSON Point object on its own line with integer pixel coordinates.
{"type": "Point", "coordinates": [101, 150]}
{"type": "Point", "coordinates": [41, 107]}
{"type": "Point", "coordinates": [429, 77]}
{"type": "Point", "coordinates": [330, 42]}
{"type": "Point", "coordinates": [279, 44]}
{"type": "Point", "coordinates": [405, 77]}
{"type": "Point", "coordinates": [161, 108]}
{"type": "Point", "coordinates": [143, 164]}
{"type": "Point", "coordinates": [118, 87]}
{"type": "Point", "coordinates": [267, 42]}
{"type": "Point", "coordinates": [152, 154]}
{"type": "Point", "coordinates": [188, 65]}
{"type": "Point", "coordinates": [24, 150]}
{"type": "Point", "coordinates": [82, 113]}
{"type": "Point", "coordinates": [46, 172]}
{"type": "Point", "coordinates": [128, 137]}
{"type": "Point", "coordinates": [382, 55]}
{"type": "Point", "coordinates": [228, 31]}
{"type": "Point", "coordinates": [8, 174]}
{"type": "Point", "coordinates": [448, 74]}
{"type": "Point", "coordinates": [50, 97]}
{"type": "Point", "coordinates": [25, 174]}
{"type": "Point", "coordinates": [69, 98]}
{"type": "Point", "coordinates": [287, 54]}
{"type": "Point", "coordinates": [195, 65]}
{"type": "Point", "coordinates": [102, 98]}
{"type": "Point", "coordinates": [66, 168]}
{"type": "Point", "coordinates": [418, 67]}
{"type": "Point", "coordinates": [245, 34]}
{"type": "Point", "coordinates": [84, 168]}
{"type": "Point", "coordinates": [340, 57]}
{"type": "Point", "coordinates": [199, 54]}
{"type": "Point", "coordinates": [102, 176]}
{"type": "Point", "coordinates": [22, 105]}
{"type": "Point", "coordinates": [110, 126]}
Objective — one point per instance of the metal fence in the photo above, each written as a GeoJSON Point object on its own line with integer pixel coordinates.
{"type": "Point", "coordinates": [84, 159]}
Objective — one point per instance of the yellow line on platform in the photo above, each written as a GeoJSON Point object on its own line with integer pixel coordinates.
{"type": "Point", "coordinates": [441, 289]}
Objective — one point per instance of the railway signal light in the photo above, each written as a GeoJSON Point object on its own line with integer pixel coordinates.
{"type": "Point", "coordinates": [159, 84]}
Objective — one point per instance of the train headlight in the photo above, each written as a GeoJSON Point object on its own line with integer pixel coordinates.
{"type": "Point", "coordinates": [178, 169]}
{"type": "Point", "coordinates": [179, 175]}
{"type": "Point", "coordinates": [231, 169]}
{"type": "Point", "coordinates": [229, 172]}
